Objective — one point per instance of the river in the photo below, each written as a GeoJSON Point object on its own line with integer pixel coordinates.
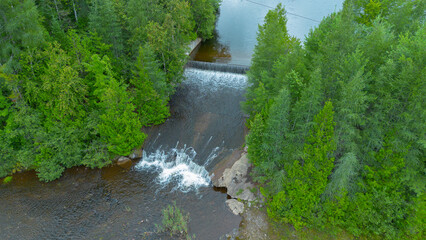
{"type": "Point", "coordinates": [206, 125]}
{"type": "Point", "coordinates": [237, 26]}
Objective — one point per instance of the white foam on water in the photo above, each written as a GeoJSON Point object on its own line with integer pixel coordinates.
{"type": "Point", "coordinates": [176, 165]}
{"type": "Point", "coordinates": [213, 81]}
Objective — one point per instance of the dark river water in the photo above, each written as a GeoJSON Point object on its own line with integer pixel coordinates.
{"type": "Point", "coordinates": [206, 126]}
{"type": "Point", "coordinates": [238, 22]}
{"type": "Point", "coordinates": [113, 203]}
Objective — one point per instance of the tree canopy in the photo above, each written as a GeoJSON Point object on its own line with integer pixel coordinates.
{"type": "Point", "coordinates": [79, 79]}
{"type": "Point", "coordinates": [338, 123]}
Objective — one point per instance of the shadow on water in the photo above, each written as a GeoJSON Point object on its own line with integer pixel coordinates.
{"type": "Point", "coordinates": [114, 203]}
{"type": "Point", "coordinates": [212, 50]}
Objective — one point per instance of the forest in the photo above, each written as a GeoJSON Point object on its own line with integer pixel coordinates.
{"type": "Point", "coordinates": [337, 124]}
{"type": "Point", "coordinates": [79, 79]}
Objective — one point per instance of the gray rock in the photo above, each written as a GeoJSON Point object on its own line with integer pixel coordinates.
{"type": "Point", "coordinates": [224, 180]}
{"type": "Point", "coordinates": [235, 206]}
{"type": "Point", "coordinates": [235, 174]}
{"type": "Point", "coordinates": [241, 190]}
{"type": "Point", "coordinates": [137, 153]}
{"type": "Point", "coordinates": [124, 162]}
{"type": "Point", "coordinates": [235, 180]}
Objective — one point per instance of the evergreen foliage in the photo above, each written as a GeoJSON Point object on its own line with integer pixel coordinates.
{"type": "Point", "coordinates": [360, 165]}
{"type": "Point", "coordinates": [79, 79]}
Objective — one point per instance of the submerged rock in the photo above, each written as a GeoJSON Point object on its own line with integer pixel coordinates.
{"type": "Point", "coordinates": [124, 162]}
{"type": "Point", "coordinates": [235, 206]}
{"type": "Point", "coordinates": [136, 154]}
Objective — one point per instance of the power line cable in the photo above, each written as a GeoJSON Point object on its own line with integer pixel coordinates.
{"type": "Point", "coordinates": [289, 13]}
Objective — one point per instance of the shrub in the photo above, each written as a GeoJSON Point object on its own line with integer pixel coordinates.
{"type": "Point", "coordinates": [174, 222]}
{"type": "Point", "coordinates": [7, 179]}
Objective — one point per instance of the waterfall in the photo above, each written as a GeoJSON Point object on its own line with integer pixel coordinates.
{"type": "Point", "coordinates": [206, 125]}
{"type": "Point", "coordinates": [213, 81]}
{"type": "Point", "coordinates": [218, 67]}
{"type": "Point", "coordinates": [177, 166]}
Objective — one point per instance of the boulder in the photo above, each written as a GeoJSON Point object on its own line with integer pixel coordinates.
{"type": "Point", "coordinates": [234, 174]}
{"type": "Point", "coordinates": [235, 206]}
{"type": "Point", "coordinates": [235, 180]}
{"type": "Point", "coordinates": [136, 154]}
{"type": "Point", "coordinates": [241, 190]}
{"type": "Point", "coordinates": [124, 162]}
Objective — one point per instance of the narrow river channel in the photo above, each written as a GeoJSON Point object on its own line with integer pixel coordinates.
{"type": "Point", "coordinates": [206, 126]}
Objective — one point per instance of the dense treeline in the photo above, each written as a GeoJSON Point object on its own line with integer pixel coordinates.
{"type": "Point", "coordinates": [338, 125]}
{"type": "Point", "coordinates": [80, 78]}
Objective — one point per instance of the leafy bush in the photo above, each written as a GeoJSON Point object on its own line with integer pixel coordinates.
{"type": "Point", "coordinates": [7, 179]}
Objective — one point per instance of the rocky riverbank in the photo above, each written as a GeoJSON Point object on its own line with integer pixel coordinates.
{"type": "Point", "coordinates": [233, 174]}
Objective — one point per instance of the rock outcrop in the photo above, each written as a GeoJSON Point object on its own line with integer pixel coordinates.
{"type": "Point", "coordinates": [235, 180]}
{"type": "Point", "coordinates": [235, 206]}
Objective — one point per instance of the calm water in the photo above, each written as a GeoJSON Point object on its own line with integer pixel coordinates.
{"type": "Point", "coordinates": [238, 23]}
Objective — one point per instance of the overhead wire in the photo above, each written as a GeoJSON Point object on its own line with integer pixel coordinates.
{"type": "Point", "coordinates": [289, 13]}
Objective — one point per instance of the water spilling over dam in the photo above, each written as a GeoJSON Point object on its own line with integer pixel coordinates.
{"type": "Point", "coordinates": [206, 125]}
{"type": "Point", "coordinates": [218, 67]}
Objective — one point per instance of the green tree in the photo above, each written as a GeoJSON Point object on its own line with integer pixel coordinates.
{"type": "Point", "coordinates": [382, 205]}
{"type": "Point", "coordinates": [303, 112]}
{"type": "Point", "coordinates": [104, 21]}
{"type": "Point", "coordinates": [268, 141]}
{"type": "Point", "coordinates": [58, 147]}
{"type": "Point", "coordinates": [170, 38]}
{"type": "Point", "coordinates": [20, 138]}
{"type": "Point", "coordinates": [5, 102]}
{"type": "Point", "coordinates": [376, 44]}
{"type": "Point", "coordinates": [366, 173]}
{"type": "Point", "coordinates": [306, 180]}
{"type": "Point", "coordinates": [21, 30]}
{"type": "Point", "coordinates": [150, 89]}
{"type": "Point", "coordinates": [371, 11]}
{"type": "Point", "coordinates": [352, 105]}
{"type": "Point", "coordinates": [204, 12]}
{"type": "Point", "coordinates": [328, 45]}
{"type": "Point", "coordinates": [138, 15]}
{"type": "Point", "coordinates": [60, 92]}
{"type": "Point", "coordinates": [119, 126]}
{"type": "Point", "coordinates": [273, 42]}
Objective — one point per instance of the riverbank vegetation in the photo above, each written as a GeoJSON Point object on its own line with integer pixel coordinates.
{"type": "Point", "coordinates": [80, 78]}
{"type": "Point", "coordinates": [175, 223]}
{"type": "Point", "coordinates": [338, 124]}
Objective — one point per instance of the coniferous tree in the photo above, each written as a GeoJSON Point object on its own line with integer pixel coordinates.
{"type": "Point", "coordinates": [274, 135]}
{"type": "Point", "coordinates": [119, 126]}
{"type": "Point", "coordinates": [382, 204]}
{"type": "Point", "coordinates": [104, 21]}
{"type": "Point", "coordinates": [305, 181]}
{"type": "Point", "coordinates": [150, 89]}
{"type": "Point", "coordinates": [60, 92]}
{"type": "Point", "coordinates": [204, 12]}
{"type": "Point", "coordinates": [273, 42]}
{"type": "Point", "coordinates": [21, 30]}
{"type": "Point", "coordinates": [376, 81]}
